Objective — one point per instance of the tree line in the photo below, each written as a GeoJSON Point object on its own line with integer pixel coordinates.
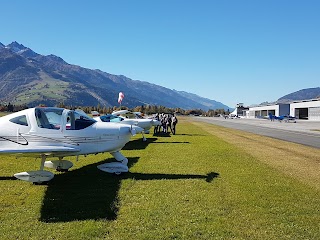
{"type": "Point", "coordinates": [145, 109]}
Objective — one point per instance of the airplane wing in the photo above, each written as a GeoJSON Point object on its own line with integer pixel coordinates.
{"type": "Point", "coordinates": [47, 150]}
{"type": "Point", "coordinates": [120, 112]}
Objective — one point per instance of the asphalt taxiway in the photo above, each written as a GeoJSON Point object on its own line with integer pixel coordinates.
{"type": "Point", "coordinates": [302, 132]}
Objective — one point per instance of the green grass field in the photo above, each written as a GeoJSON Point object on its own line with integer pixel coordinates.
{"type": "Point", "coordinates": [193, 185]}
{"type": "Point", "coordinates": [47, 88]}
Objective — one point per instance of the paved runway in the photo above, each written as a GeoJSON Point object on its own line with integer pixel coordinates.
{"type": "Point", "coordinates": [302, 132]}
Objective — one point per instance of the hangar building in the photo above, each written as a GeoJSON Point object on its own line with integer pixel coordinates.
{"type": "Point", "coordinates": [264, 111]}
{"type": "Point", "coordinates": [305, 109]}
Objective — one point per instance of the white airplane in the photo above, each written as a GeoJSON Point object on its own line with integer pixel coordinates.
{"type": "Point", "coordinates": [145, 123]}
{"type": "Point", "coordinates": [128, 117]}
{"type": "Point", "coordinates": [115, 119]}
{"type": "Point", "coordinates": [118, 119]}
{"type": "Point", "coordinates": [57, 132]}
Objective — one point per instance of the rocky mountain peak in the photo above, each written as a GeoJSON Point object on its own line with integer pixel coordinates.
{"type": "Point", "coordinates": [20, 49]}
{"type": "Point", "coordinates": [16, 47]}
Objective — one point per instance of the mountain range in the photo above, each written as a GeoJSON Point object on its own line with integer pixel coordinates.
{"type": "Point", "coordinates": [303, 94]}
{"type": "Point", "coordinates": [27, 77]}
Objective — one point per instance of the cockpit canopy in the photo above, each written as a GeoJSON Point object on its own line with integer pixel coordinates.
{"type": "Point", "coordinates": [53, 118]}
{"type": "Point", "coordinates": [111, 118]}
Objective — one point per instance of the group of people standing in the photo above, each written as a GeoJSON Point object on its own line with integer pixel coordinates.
{"type": "Point", "coordinates": [166, 121]}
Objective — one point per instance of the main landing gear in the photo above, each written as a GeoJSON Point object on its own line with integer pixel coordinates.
{"type": "Point", "coordinates": [118, 167]}
{"type": "Point", "coordinates": [40, 176]}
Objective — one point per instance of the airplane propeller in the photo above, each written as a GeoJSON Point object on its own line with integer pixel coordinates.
{"type": "Point", "coordinates": [133, 131]}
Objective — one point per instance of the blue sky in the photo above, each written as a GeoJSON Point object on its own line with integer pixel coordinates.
{"type": "Point", "coordinates": [229, 51]}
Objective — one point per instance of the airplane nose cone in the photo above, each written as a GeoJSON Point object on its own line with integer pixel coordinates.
{"type": "Point", "coordinates": [136, 129]}
{"type": "Point", "coordinates": [130, 129]}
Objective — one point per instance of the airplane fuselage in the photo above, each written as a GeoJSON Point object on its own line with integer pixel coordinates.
{"type": "Point", "coordinates": [57, 132]}
{"type": "Point", "coordinates": [41, 128]}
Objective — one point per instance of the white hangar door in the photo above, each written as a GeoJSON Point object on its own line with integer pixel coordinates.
{"type": "Point", "coordinates": [314, 113]}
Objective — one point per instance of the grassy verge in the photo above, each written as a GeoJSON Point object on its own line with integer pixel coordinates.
{"type": "Point", "coordinates": [48, 88]}
{"type": "Point", "coordinates": [193, 185]}
{"type": "Point", "coordinates": [3, 114]}
{"type": "Point", "coordinates": [295, 160]}
{"type": "Point", "coordinates": [317, 130]}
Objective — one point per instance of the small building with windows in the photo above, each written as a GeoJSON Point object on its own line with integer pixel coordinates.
{"type": "Point", "coordinates": [266, 110]}
{"type": "Point", "coordinates": [239, 111]}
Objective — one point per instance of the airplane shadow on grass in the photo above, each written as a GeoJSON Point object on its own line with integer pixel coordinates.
{"type": "Point", "coordinates": [88, 193]}
{"type": "Point", "coordinates": [138, 144]}
{"type": "Point", "coordinates": [192, 135]}
{"type": "Point", "coordinates": [2, 178]}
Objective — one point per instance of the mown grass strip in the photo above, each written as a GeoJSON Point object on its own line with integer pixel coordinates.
{"type": "Point", "coordinates": [193, 185]}
{"type": "Point", "coordinates": [295, 160]}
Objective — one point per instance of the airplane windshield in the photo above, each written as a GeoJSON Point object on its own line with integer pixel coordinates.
{"type": "Point", "coordinates": [77, 120]}
{"type": "Point", "coordinates": [138, 116]}
{"type": "Point", "coordinates": [110, 118]}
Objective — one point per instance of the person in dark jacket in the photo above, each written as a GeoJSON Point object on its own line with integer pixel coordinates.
{"type": "Point", "coordinates": [174, 121]}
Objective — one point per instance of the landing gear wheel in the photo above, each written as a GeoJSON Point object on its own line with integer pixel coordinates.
{"type": "Point", "coordinates": [60, 169]}
{"type": "Point", "coordinates": [59, 165]}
